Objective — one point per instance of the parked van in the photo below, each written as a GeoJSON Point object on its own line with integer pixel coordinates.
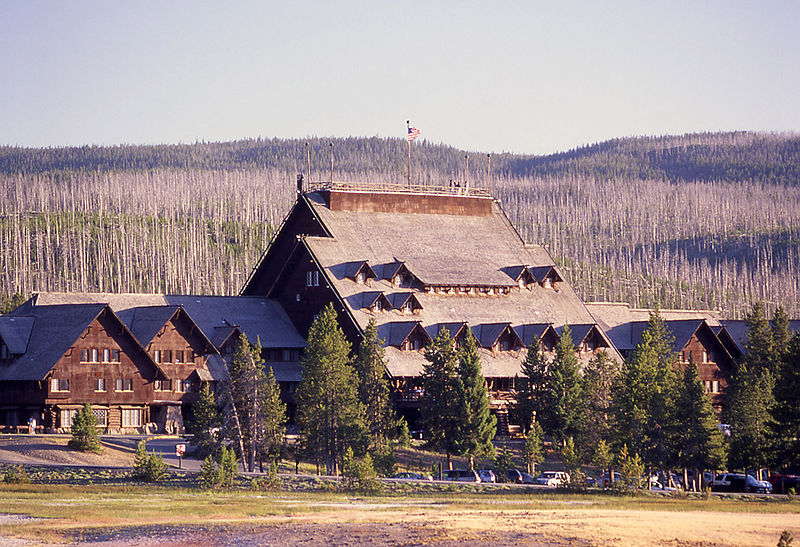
{"type": "Point", "coordinates": [460, 475]}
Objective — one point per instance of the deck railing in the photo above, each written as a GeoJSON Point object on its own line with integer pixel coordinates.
{"type": "Point", "coordinates": [457, 189]}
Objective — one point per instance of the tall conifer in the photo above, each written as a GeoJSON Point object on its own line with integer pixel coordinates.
{"type": "Point", "coordinates": [478, 426]}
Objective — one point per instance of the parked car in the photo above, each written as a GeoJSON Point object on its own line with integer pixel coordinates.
{"type": "Point", "coordinates": [603, 481]}
{"type": "Point", "coordinates": [782, 483]}
{"type": "Point", "coordinates": [460, 475]}
{"type": "Point", "coordinates": [409, 475]}
{"type": "Point", "coordinates": [527, 478]}
{"type": "Point", "coordinates": [553, 478]}
{"type": "Point", "coordinates": [739, 482]}
{"type": "Point", "coordinates": [487, 475]}
{"type": "Point", "coordinates": [514, 475]}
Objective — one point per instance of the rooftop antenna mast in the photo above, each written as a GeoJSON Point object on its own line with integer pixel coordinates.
{"type": "Point", "coordinates": [466, 173]}
{"type": "Point", "coordinates": [331, 164]}
{"type": "Point", "coordinates": [308, 162]}
{"type": "Point", "coordinates": [489, 173]}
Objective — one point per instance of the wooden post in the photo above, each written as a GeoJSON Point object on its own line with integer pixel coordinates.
{"type": "Point", "coordinates": [308, 163]}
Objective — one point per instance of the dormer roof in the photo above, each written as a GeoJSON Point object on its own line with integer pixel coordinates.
{"type": "Point", "coordinates": [488, 334]}
{"type": "Point", "coordinates": [400, 299]}
{"type": "Point", "coordinates": [455, 329]}
{"type": "Point", "coordinates": [15, 331]}
{"type": "Point", "coordinates": [397, 332]}
{"type": "Point", "coordinates": [542, 273]}
{"type": "Point", "coordinates": [520, 273]}
{"type": "Point", "coordinates": [352, 269]}
{"type": "Point", "coordinates": [370, 298]}
{"type": "Point", "coordinates": [533, 333]}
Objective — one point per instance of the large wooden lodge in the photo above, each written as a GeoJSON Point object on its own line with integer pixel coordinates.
{"type": "Point", "coordinates": [414, 259]}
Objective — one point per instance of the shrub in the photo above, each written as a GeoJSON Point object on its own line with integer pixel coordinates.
{"type": "Point", "coordinates": [359, 473]}
{"type": "Point", "coordinates": [219, 472]}
{"type": "Point", "coordinates": [148, 468]}
{"type": "Point", "coordinates": [384, 460]}
{"type": "Point", "coordinates": [786, 539]}
{"type": "Point", "coordinates": [16, 474]}
{"type": "Point", "coordinates": [209, 473]}
{"type": "Point", "coordinates": [84, 431]}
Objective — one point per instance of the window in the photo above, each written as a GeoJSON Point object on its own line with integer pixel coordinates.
{"type": "Point", "coordinates": [179, 356]}
{"type": "Point", "coordinates": [166, 355]}
{"type": "Point", "coordinates": [123, 384]}
{"type": "Point", "coordinates": [115, 356]}
{"type": "Point", "coordinates": [548, 283]}
{"type": "Point", "coordinates": [163, 385]}
{"type": "Point", "coordinates": [93, 358]}
{"type": "Point", "coordinates": [400, 279]}
{"type": "Point", "coordinates": [102, 416]}
{"type": "Point", "coordinates": [131, 417]}
{"type": "Point", "coordinates": [99, 384]}
{"type": "Point", "coordinates": [715, 386]}
{"type": "Point", "coordinates": [705, 357]}
{"type": "Point", "coordinates": [66, 417]}
{"type": "Point", "coordinates": [180, 387]}
{"type": "Point", "coordinates": [378, 306]}
{"type": "Point", "coordinates": [312, 279]}
{"type": "Point", "coordinates": [59, 384]}
{"type": "Point", "coordinates": [711, 358]}
{"type": "Point", "coordinates": [157, 355]}
{"type": "Point", "coordinates": [84, 356]}
{"type": "Point", "coordinates": [290, 355]}
{"type": "Point", "coordinates": [188, 386]}
{"type": "Point", "coordinates": [360, 278]}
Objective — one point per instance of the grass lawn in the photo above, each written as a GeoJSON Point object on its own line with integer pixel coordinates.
{"type": "Point", "coordinates": [132, 511]}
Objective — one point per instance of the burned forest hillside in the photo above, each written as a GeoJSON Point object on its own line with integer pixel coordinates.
{"type": "Point", "coordinates": [694, 221]}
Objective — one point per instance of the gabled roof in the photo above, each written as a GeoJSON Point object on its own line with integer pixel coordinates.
{"type": "Point", "coordinates": [487, 334]}
{"type": "Point", "coordinates": [399, 299]}
{"type": "Point", "coordinates": [581, 332]}
{"type": "Point", "coordinates": [518, 273]}
{"type": "Point", "coordinates": [55, 330]}
{"type": "Point", "coordinates": [257, 318]}
{"type": "Point", "coordinates": [736, 329]}
{"type": "Point", "coordinates": [147, 321]}
{"type": "Point", "coordinates": [15, 331]}
{"type": "Point", "coordinates": [532, 333]}
{"type": "Point", "coordinates": [352, 269]}
{"type": "Point", "coordinates": [369, 299]}
{"type": "Point", "coordinates": [682, 330]}
{"type": "Point", "coordinates": [454, 329]}
{"type": "Point", "coordinates": [540, 273]}
{"type": "Point", "coordinates": [397, 332]}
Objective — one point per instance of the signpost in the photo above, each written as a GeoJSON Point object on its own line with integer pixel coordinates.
{"type": "Point", "coordinates": [179, 451]}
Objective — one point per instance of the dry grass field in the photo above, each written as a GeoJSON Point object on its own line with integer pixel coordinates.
{"type": "Point", "coordinates": [145, 515]}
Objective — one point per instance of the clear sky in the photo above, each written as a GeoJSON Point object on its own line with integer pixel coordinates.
{"type": "Point", "coordinates": [518, 76]}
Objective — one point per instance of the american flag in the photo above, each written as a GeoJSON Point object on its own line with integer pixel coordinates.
{"type": "Point", "coordinates": [413, 133]}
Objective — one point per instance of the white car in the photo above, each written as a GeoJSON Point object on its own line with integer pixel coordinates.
{"type": "Point", "coordinates": [553, 478]}
{"type": "Point", "coordinates": [487, 475]}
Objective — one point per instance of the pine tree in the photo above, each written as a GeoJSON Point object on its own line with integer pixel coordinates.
{"type": "Point", "coordinates": [700, 444]}
{"type": "Point", "coordinates": [328, 410]}
{"type": "Point", "coordinates": [533, 449]}
{"type": "Point", "coordinates": [759, 348]}
{"type": "Point", "coordinates": [205, 423]}
{"type": "Point", "coordinates": [530, 395]}
{"type": "Point", "coordinates": [562, 411]}
{"type": "Point", "coordinates": [599, 377]}
{"type": "Point", "coordinates": [255, 399]}
{"type": "Point", "coordinates": [478, 426]}
{"type": "Point", "coordinates": [780, 337]}
{"type": "Point", "coordinates": [84, 431]}
{"type": "Point", "coordinates": [373, 387]}
{"type": "Point", "coordinates": [784, 427]}
{"type": "Point", "coordinates": [442, 404]}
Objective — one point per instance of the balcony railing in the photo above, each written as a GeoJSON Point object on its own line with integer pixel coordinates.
{"type": "Point", "coordinates": [456, 190]}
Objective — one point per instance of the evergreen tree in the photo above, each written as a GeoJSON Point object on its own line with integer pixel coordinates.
{"type": "Point", "coordinates": [562, 411]}
{"type": "Point", "coordinates": [780, 337]}
{"type": "Point", "coordinates": [748, 406]}
{"type": "Point", "coordinates": [700, 444]}
{"type": "Point", "coordinates": [255, 399]}
{"type": "Point", "coordinates": [373, 387]}
{"type": "Point", "coordinates": [759, 348]}
{"type": "Point", "coordinates": [530, 394]}
{"type": "Point", "coordinates": [478, 426]}
{"type": "Point", "coordinates": [642, 404]}
{"type": "Point", "coordinates": [205, 423]}
{"type": "Point", "coordinates": [84, 431]}
{"type": "Point", "coordinates": [784, 427]}
{"type": "Point", "coordinates": [442, 404]}
{"type": "Point", "coordinates": [599, 377]}
{"type": "Point", "coordinates": [533, 449]}
{"type": "Point", "coordinates": [328, 410]}
{"type": "Point", "coordinates": [273, 420]}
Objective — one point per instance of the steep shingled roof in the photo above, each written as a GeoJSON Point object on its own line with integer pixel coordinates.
{"type": "Point", "coordinates": [260, 318]}
{"type": "Point", "coordinates": [15, 332]}
{"type": "Point", "coordinates": [464, 251]}
{"type": "Point", "coordinates": [55, 329]}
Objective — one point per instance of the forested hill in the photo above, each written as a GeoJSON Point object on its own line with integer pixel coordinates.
{"type": "Point", "coordinates": [693, 221]}
{"type": "Point", "coordinates": [733, 157]}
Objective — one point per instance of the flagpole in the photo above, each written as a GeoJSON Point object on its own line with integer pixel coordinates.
{"type": "Point", "coordinates": [408, 141]}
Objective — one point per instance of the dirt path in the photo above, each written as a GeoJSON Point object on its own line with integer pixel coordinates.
{"type": "Point", "coordinates": [50, 449]}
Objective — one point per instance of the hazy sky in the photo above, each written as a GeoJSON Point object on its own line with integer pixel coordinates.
{"type": "Point", "coordinates": [530, 77]}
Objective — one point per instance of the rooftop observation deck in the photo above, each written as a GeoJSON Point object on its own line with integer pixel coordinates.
{"type": "Point", "coordinates": [382, 197]}
{"type": "Point", "coordinates": [457, 189]}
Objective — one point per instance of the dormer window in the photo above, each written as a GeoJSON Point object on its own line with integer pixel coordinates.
{"type": "Point", "coordinates": [361, 278]}
{"type": "Point", "coordinates": [378, 305]}
{"type": "Point", "coordinates": [547, 283]}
